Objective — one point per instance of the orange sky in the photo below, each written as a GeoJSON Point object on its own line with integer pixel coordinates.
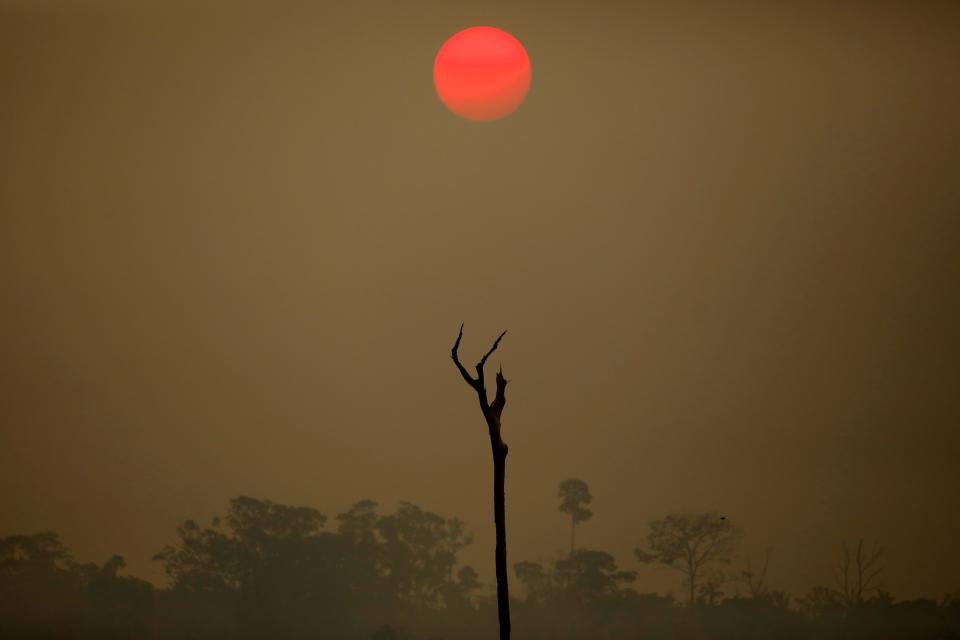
{"type": "Point", "coordinates": [236, 245]}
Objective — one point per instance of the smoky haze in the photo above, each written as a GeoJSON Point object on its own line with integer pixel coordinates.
{"type": "Point", "coordinates": [236, 243]}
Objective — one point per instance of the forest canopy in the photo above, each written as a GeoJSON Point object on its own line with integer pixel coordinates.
{"type": "Point", "coordinates": [268, 570]}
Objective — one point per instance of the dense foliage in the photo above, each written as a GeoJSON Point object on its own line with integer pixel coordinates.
{"type": "Point", "coordinates": [266, 570]}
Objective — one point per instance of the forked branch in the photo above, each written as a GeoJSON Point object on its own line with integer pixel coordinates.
{"type": "Point", "coordinates": [483, 360]}
{"type": "Point", "coordinates": [491, 415]}
{"type": "Point", "coordinates": [477, 383]}
{"type": "Point", "coordinates": [456, 360]}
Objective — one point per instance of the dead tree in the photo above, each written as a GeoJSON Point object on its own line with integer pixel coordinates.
{"type": "Point", "coordinates": [491, 413]}
{"type": "Point", "coordinates": [756, 581]}
{"type": "Point", "coordinates": [857, 573]}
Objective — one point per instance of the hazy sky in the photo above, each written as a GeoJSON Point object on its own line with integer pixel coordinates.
{"type": "Point", "coordinates": [236, 244]}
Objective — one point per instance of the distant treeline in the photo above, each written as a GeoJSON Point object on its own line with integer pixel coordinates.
{"type": "Point", "coordinates": [266, 570]}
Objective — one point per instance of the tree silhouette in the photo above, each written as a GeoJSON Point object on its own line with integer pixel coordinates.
{"type": "Point", "coordinates": [267, 570]}
{"type": "Point", "coordinates": [591, 575]}
{"type": "Point", "coordinates": [690, 543]}
{"type": "Point", "coordinates": [44, 593]}
{"type": "Point", "coordinates": [536, 580]}
{"type": "Point", "coordinates": [756, 579]}
{"type": "Point", "coordinates": [491, 414]}
{"type": "Point", "coordinates": [857, 573]}
{"type": "Point", "coordinates": [230, 557]}
{"type": "Point", "coordinates": [574, 495]}
{"type": "Point", "coordinates": [419, 552]}
{"type": "Point", "coordinates": [359, 524]}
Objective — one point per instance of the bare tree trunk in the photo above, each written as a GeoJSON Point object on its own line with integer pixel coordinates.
{"type": "Point", "coordinates": [573, 530]}
{"type": "Point", "coordinates": [499, 518]}
{"type": "Point", "coordinates": [491, 414]}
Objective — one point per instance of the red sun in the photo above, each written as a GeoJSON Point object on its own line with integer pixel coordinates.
{"type": "Point", "coordinates": [482, 74]}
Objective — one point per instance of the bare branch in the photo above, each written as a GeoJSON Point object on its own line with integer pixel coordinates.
{"type": "Point", "coordinates": [872, 568]}
{"type": "Point", "coordinates": [483, 360]}
{"type": "Point", "coordinates": [500, 398]}
{"type": "Point", "coordinates": [456, 360]}
{"type": "Point", "coordinates": [868, 581]}
{"type": "Point", "coordinates": [757, 582]}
